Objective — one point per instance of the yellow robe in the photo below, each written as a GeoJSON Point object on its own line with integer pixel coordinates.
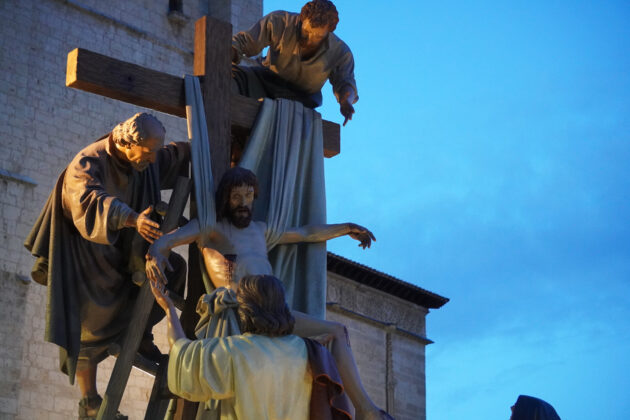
{"type": "Point", "coordinates": [258, 377]}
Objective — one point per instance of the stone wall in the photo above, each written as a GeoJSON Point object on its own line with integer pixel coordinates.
{"type": "Point", "coordinates": [387, 335]}
{"type": "Point", "coordinates": [241, 13]}
{"type": "Point", "coordinates": [12, 303]}
{"type": "Point", "coordinates": [43, 125]}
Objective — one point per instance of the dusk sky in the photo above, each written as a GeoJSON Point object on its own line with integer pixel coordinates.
{"type": "Point", "coordinates": [490, 155]}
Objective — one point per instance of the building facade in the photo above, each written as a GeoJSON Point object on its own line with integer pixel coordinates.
{"type": "Point", "coordinates": [43, 125]}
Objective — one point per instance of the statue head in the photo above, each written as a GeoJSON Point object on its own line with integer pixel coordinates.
{"type": "Point", "coordinates": [320, 14]}
{"type": "Point", "coordinates": [235, 196]}
{"type": "Point", "coordinates": [138, 139]}
{"type": "Point", "coordinates": [262, 308]}
{"type": "Point", "coordinates": [317, 19]}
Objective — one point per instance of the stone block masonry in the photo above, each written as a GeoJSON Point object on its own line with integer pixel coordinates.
{"type": "Point", "coordinates": [43, 125]}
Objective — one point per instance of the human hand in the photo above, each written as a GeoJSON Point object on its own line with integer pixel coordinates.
{"type": "Point", "coordinates": [174, 327]}
{"type": "Point", "coordinates": [361, 234]}
{"type": "Point", "coordinates": [235, 56]}
{"type": "Point", "coordinates": [161, 296]}
{"type": "Point", "coordinates": [346, 109]}
{"type": "Point", "coordinates": [147, 228]}
{"type": "Point", "coordinates": [156, 262]}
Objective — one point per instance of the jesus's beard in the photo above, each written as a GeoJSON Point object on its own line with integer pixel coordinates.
{"type": "Point", "coordinates": [240, 217]}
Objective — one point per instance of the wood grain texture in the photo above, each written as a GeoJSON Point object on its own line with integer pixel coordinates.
{"type": "Point", "coordinates": [124, 362]}
{"type": "Point", "coordinates": [127, 82]}
{"type": "Point", "coordinates": [212, 63]}
{"type": "Point", "coordinates": [332, 138]}
{"type": "Point", "coordinates": [140, 315]}
{"type": "Point", "coordinates": [177, 203]}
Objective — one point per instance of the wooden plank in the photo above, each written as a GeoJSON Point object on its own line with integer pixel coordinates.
{"type": "Point", "coordinates": [177, 203]}
{"type": "Point", "coordinates": [140, 315]}
{"type": "Point", "coordinates": [332, 138]}
{"type": "Point", "coordinates": [160, 394]}
{"type": "Point", "coordinates": [244, 111]}
{"type": "Point", "coordinates": [212, 64]}
{"type": "Point", "coordinates": [127, 82]}
{"type": "Point", "coordinates": [124, 362]}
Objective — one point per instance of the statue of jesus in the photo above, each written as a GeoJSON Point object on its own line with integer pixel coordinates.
{"type": "Point", "coordinates": [237, 248]}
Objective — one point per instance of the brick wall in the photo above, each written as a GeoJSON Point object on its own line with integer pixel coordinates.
{"type": "Point", "coordinates": [43, 125]}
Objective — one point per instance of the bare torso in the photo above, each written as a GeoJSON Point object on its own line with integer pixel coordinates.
{"type": "Point", "coordinates": [232, 253]}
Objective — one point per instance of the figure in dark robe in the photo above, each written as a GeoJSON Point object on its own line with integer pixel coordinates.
{"type": "Point", "coordinates": [303, 53]}
{"type": "Point", "coordinates": [531, 408]}
{"type": "Point", "coordinates": [90, 239]}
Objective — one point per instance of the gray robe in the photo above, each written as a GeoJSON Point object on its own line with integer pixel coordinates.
{"type": "Point", "coordinates": [295, 79]}
{"type": "Point", "coordinates": [84, 254]}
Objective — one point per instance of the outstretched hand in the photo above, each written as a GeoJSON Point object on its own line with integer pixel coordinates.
{"type": "Point", "coordinates": [361, 234]}
{"type": "Point", "coordinates": [161, 296]}
{"type": "Point", "coordinates": [346, 109]}
{"type": "Point", "coordinates": [175, 330]}
{"type": "Point", "coordinates": [147, 228]}
{"type": "Point", "coordinates": [155, 265]}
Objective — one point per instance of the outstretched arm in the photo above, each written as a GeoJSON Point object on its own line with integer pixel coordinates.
{"type": "Point", "coordinates": [263, 33]}
{"type": "Point", "coordinates": [157, 255]}
{"type": "Point", "coordinates": [175, 330]}
{"type": "Point", "coordinates": [321, 233]}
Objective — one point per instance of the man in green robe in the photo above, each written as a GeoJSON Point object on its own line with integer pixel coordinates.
{"type": "Point", "coordinates": [91, 238]}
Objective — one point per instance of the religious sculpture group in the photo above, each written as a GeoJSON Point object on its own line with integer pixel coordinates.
{"type": "Point", "coordinates": [99, 230]}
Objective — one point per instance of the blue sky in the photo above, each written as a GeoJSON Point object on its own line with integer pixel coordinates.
{"type": "Point", "coordinates": [490, 155]}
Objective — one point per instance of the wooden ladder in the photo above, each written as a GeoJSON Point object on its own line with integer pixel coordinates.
{"type": "Point", "coordinates": [127, 354]}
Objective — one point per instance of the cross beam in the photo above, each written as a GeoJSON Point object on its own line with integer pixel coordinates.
{"type": "Point", "coordinates": [127, 82]}
{"type": "Point", "coordinates": [225, 112]}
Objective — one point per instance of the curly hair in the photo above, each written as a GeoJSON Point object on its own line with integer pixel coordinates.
{"type": "Point", "coordinates": [233, 177]}
{"type": "Point", "coordinates": [137, 129]}
{"type": "Point", "coordinates": [262, 308]}
{"type": "Point", "coordinates": [320, 13]}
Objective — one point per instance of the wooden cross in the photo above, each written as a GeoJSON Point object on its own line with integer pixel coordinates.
{"type": "Point", "coordinates": [127, 82]}
{"type": "Point", "coordinates": [225, 113]}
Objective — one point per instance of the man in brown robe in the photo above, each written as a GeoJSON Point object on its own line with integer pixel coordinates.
{"type": "Point", "coordinates": [303, 53]}
{"type": "Point", "coordinates": [91, 238]}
